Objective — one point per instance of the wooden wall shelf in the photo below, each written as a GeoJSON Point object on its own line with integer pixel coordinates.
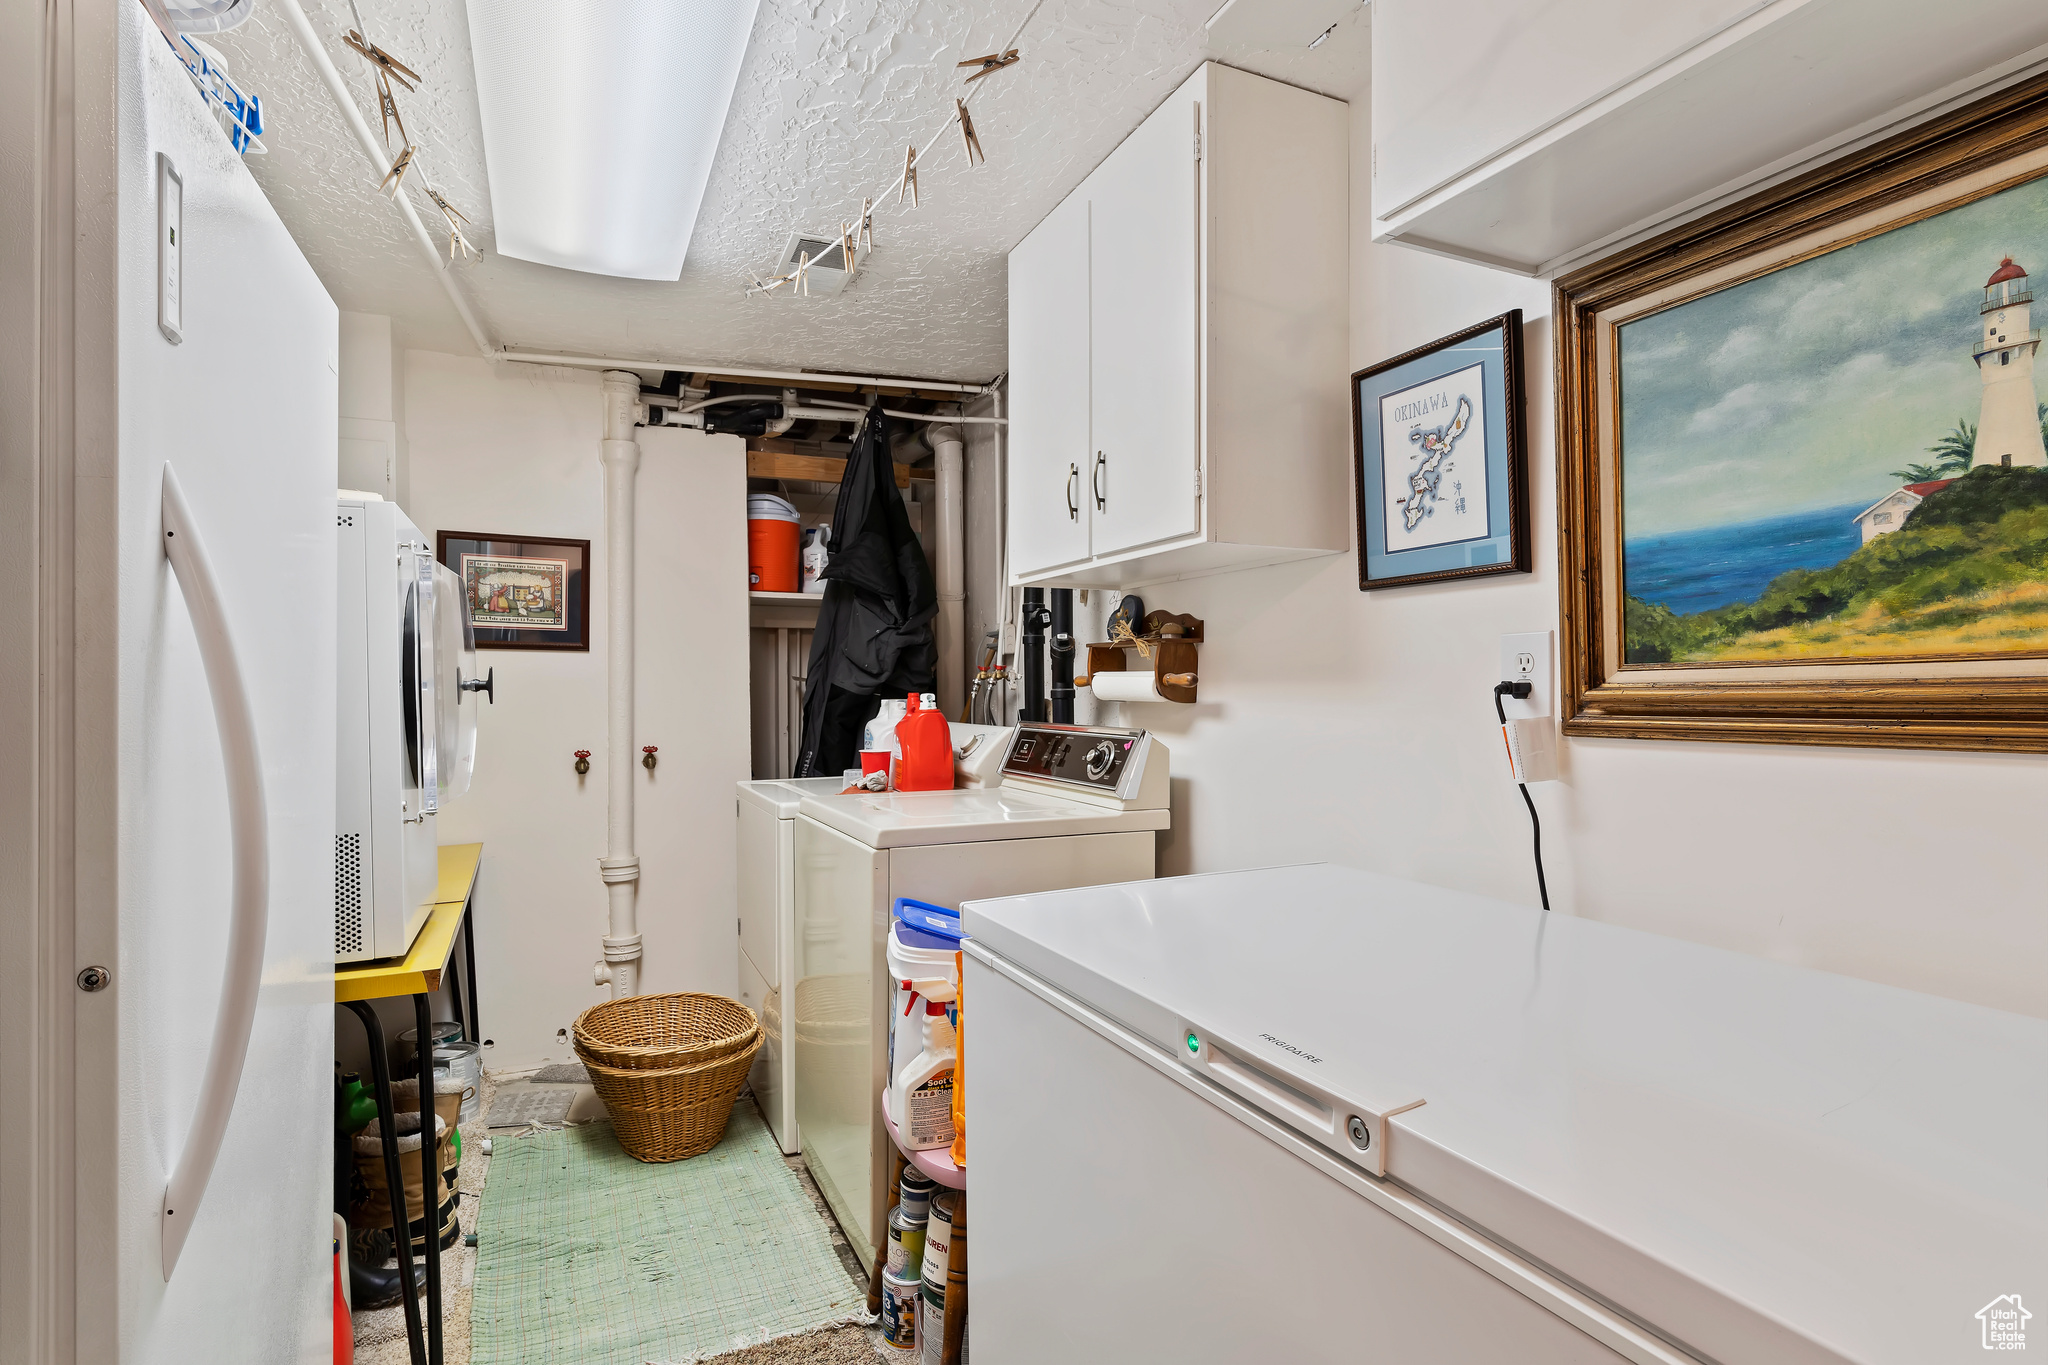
{"type": "Point", "coordinates": [776, 464]}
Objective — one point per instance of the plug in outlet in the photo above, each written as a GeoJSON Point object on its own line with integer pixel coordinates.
{"type": "Point", "coordinates": [1526, 658]}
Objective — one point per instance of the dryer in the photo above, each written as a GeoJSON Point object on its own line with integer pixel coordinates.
{"type": "Point", "coordinates": [405, 733]}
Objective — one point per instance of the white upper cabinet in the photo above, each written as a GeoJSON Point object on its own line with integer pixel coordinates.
{"type": "Point", "coordinates": [1178, 339]}
{"type": "Point", "coordinates": [1146, 218]}
{"type": "Point", "coordinates": [1538, 137]}
{"type": "Point", "coordinates": [1048, 399]}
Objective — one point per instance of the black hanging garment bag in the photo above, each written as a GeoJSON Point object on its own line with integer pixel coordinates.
{"type": "Point", "coordinates": [874, 633]}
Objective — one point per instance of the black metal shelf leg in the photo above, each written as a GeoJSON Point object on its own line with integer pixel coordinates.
{"type": "Point", "coordinates": [394, 1178]}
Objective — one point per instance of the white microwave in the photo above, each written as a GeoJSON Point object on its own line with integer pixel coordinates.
{"type": "Point", "coordinates": [406, 730]}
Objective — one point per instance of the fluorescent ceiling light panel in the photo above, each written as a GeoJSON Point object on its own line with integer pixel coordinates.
{"type": "Point", "coordinates": [601, 119]}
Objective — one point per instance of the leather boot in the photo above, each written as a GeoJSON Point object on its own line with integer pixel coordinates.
{"type": "Point", "coordinates": [371, 1289]}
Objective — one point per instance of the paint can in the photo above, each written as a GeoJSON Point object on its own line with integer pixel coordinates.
{"type": "Point", "coordinates": [938, 1239]}
{"type": "Point", "coordinates": [906, 1244]}
{"type": "Point", "coordinates": [900, 1295]}
{"type": "Point", "coordinates": [931, 1325]}
{"type": "Point", "coordinates": [914, 1194]}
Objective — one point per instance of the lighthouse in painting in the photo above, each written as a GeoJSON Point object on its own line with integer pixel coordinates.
{"type": "Point", "coordinates": [2009, 429]}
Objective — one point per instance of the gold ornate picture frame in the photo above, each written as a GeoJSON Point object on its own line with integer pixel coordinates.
{"type": "Point", "coordinates": [1849, 645]}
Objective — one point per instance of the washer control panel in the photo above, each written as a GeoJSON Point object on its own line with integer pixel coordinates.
{"type": "Point", "coordinates": [1097, 758]}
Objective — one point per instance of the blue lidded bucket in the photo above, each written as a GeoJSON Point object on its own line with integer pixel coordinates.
{"type": "Point", "coordinates": [921, 925]}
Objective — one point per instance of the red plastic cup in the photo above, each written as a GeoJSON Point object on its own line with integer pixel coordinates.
{"type": "Point", "coordinates": [874, 761]}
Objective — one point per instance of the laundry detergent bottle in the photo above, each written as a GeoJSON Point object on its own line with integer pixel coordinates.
{"type": "Point", "coordinates": [923, 1101]}
{"type": "Point", "coordinates": [925, 742]}
{"type": "Point", "coordinates": [880, 731]}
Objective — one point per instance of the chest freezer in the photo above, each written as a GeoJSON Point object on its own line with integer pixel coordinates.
{"type": "Point", "coordinates": [1315, 1114]}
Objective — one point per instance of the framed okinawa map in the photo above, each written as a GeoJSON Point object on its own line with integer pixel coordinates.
{"type": "Point", "coordinates": [522, 592]}
{"type": "Point", "coordinates": [1442, 491]}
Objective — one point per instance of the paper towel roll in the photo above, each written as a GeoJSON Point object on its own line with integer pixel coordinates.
{"type": "Point", "coordinates": [1129, 685]}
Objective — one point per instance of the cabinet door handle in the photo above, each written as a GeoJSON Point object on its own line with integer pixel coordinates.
{"type": "Point", "coordinates": [1101, 498]}
{"type": "Point", "coordinates": [1073, 489]}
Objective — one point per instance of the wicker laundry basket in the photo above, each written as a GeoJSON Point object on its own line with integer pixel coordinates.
{"type": "Point", "coordinates": [660, 1032]}
{"type": "Point", "coordinates": [672, 1101]}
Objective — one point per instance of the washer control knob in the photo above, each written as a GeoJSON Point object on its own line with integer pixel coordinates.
{"type": "Point", "coordinates": [1099, 759]}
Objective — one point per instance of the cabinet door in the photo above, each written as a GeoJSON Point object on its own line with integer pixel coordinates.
{"type": "Point", "coordinates": [1049, 450]}
{"type": "Point", "coordinates": [1146, 331]}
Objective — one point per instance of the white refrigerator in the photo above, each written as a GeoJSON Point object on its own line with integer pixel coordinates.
{"type": "Point", "coordinates": [166, 1159]}
{"type": "Point", "coordinates": [1313, 1114]}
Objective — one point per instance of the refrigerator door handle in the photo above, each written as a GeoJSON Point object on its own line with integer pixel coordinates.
{"type": "Point", "coordinates": [248, 822]}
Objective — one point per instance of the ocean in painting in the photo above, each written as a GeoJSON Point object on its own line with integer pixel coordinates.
{"type": "Point", "coordinates": [1719, 566]}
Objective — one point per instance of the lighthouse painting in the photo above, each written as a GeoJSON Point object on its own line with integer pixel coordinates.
{"type": "Point", "coordinates": [1845, 458]}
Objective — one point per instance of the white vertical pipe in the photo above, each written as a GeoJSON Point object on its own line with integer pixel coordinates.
{"type": "Point", "coordinates": [950, 463]}
{"type": "Point", "coordinates": [620, 867]}
{"type": "Point", "coordinates": [781, 707]}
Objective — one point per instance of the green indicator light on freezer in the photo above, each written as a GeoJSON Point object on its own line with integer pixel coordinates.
{"type": "Point", "coordinates": [1194, 1044]}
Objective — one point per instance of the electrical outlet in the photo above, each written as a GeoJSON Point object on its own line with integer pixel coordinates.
{"type": "Point", "coordinates": [1526, 658]}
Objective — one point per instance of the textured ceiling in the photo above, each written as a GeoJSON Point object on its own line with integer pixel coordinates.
{"type": "Point", "coordinates": [830, 94]}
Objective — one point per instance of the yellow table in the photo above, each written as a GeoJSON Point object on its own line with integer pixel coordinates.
{"type": "Point", "coordinates": [417, 974]}
{"type": "Point", "coordinates": [419, 971]}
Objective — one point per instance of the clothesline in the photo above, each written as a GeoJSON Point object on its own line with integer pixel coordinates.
{"type": "Point", "coordinates": [864, 215]}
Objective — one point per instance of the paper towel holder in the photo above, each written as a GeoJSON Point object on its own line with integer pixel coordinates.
{"type": "Point", "coordinates": [1173, 640]}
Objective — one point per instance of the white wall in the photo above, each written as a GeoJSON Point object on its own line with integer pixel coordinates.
{"type": "Point", "coordinates": [372, 452]}
{"type": "Point", "coordinates": [514, 450]}
{"type": "Point", "coordinates": [1358, 728]}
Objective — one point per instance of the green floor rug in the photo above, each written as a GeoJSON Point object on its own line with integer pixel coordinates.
{"type": "Point", "coordinates": [588, 1257]}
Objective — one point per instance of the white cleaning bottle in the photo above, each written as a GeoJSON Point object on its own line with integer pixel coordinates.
{"type": "Point", "coordinates": [880, 731]}
{"type": "Point", "coordinates": [817, 541]}
{"type": "Point", "coordinates": [923, 1098]}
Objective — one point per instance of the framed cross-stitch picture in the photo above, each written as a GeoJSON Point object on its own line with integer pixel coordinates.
{"type": "Point", "coordinates": [1443, 489]}
{"type": "Point", "coordinates": [522, 592]}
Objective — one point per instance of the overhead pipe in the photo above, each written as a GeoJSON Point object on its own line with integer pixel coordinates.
{"type": "Point", "coordinates": [814, 411]}
{"type": "Point", "coordinates": [619, 869]}
{"type": "Point", "coordinates": [949, 463]}
{"type": "Point", "coordinates": [872, 381]}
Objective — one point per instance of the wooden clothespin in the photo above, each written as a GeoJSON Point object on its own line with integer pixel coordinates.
{"type": "Point", "coordinates": [457, 243]}
{"type": "Point", "coordinates": [395, 177]}
{"type": "Point", "coordinates": [382, 60]}
{"type": "Point", "coordinates": [387, 106]}
{"type": "Point", "coordinates": [803, 273]}
{"type": "Point", "coordinates": [967, 137]}
{"type": "Point", "coordinates": [908, 181]}
{"type": "Point", "coordinates": [846, 256]}
{"type": "Point", "coordinates": [867, 225]}
{"type": "Point", "coordinates": [994, 61]}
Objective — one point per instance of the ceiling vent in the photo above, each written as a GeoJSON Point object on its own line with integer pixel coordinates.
{"type": "Point", "coordinates": [827, 274]}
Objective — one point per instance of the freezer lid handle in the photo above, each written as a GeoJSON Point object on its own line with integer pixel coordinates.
{"type": "Point", "coordinates": [1352, 1128]}
{"type": "Point", "coordinates": [249, 831]}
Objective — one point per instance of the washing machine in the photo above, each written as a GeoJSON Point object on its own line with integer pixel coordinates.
{"type": "Point", "coordinates": [1076, 806]}
{"type": "Point", "coordinates": [766, 812]}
